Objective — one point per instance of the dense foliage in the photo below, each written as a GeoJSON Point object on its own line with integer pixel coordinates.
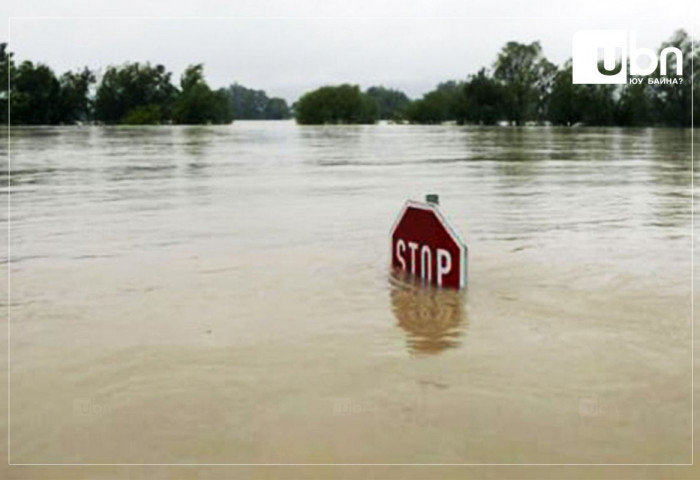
{"type": "Point", "coordinates": [197, 103]}
{"type": "Point", "coordinates": [135, 94]}
{"type": "Point", "coordinates": [443, 104]}
{"type": "Point", "coordinates": [249, 104]}
{"type": "Point", "coordinates": [524, 86]}
{"type": "Point", "coordinates": [342, 104]}
{"type": "Point", "coordinates": [392, 103]}
{"type": "Point", "coordinates": [132, 93]}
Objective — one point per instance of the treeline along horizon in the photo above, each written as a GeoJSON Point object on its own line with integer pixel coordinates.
{"type": "Point", "coordinates": [521, 87]}
{"type": "Point", "coordinates": [129, 94]}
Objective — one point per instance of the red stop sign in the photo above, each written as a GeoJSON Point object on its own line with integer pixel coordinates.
{"type": "Point", "coordinates": [423, 245]}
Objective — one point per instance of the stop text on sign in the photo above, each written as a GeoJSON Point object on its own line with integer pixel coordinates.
{"type": "Point", "coordinates": [423, 245]}
{"type": "Point", "coordinates": [420, 261]}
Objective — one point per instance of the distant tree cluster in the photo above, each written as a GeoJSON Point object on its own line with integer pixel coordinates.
{"type": "Point", "coordinates": [131, 94]}
{"type": "Point", "coordinates": [392, 103]}
{"type": "Point", "coordinates": [38, 96]}
{"type": "Point", "coordinates": [134, 94]}
{"type": "Point", "coordinates": [342, 104]}
{"type": "Point", "coordinates": [249, 104]}
{"type": "Point", "coordinates": [522, 87]}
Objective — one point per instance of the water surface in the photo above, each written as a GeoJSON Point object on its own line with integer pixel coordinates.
{"type": "Point", "coordinates": [221, 295]}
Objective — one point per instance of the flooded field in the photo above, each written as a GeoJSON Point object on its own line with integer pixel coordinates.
{"type": "Point", "coordinates": [222, 295]}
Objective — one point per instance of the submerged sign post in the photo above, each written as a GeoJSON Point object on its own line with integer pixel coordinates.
{"type": "Point", "coordinates": [424, 246]}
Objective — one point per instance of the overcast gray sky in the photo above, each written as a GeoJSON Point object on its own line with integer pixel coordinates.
{"type": "Point", "coordinates": [287, 47]}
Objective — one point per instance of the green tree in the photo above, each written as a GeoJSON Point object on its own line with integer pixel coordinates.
{"type": "Point", "coordinates": [392, 103]}
{"type": "Point", "coordinates": [74, 103]}
{"type": "Point", "coordinates": [246, 103]}
{"type": "Point", "coordinates": [598, 105]}
{"type": "Point", "coordinates": [6, 67]}
{"type": "Point", "coordinates": [126, 91]}
{"type": "Point", "coordinates": [38, 97]}
{"type": "Point", "coordinates": [635, 106]}
{"type": "Point", "coordinates": [543, 89]}
{"type": "Point", "coordinates": [196, 103]}
{"type": "Point", "coordinates": [341, 104]}
{"type": "Point", "coordinates": [526, 76]}
{"type": "Point", "coordinates": [565, 99]}
{"type": "Point", "coordinates": [277, 109]}
{"type": "Point", "coordinates": [35, 94]}
{"type": "Point", "coordinates": [673, 102]}
{"type": "Point", "coordinates": [443, 104]}
{"type": "Point", "coordinates": [150, 114]}
{"type": "Point", "coordinates": [249, 104]}
{"type": "Point", "coordinates": [482, 101]}
{"type": "Point", "coordinates": [570, 103]}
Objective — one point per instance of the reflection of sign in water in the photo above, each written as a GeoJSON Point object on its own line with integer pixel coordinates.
{"type": "Point", "coordinates": [424, 246]}
{"type": "Point", "coordinates": [432, 317]}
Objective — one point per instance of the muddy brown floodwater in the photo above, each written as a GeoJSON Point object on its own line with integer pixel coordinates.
{"type": "Point", "coordinates": [221, 295]}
